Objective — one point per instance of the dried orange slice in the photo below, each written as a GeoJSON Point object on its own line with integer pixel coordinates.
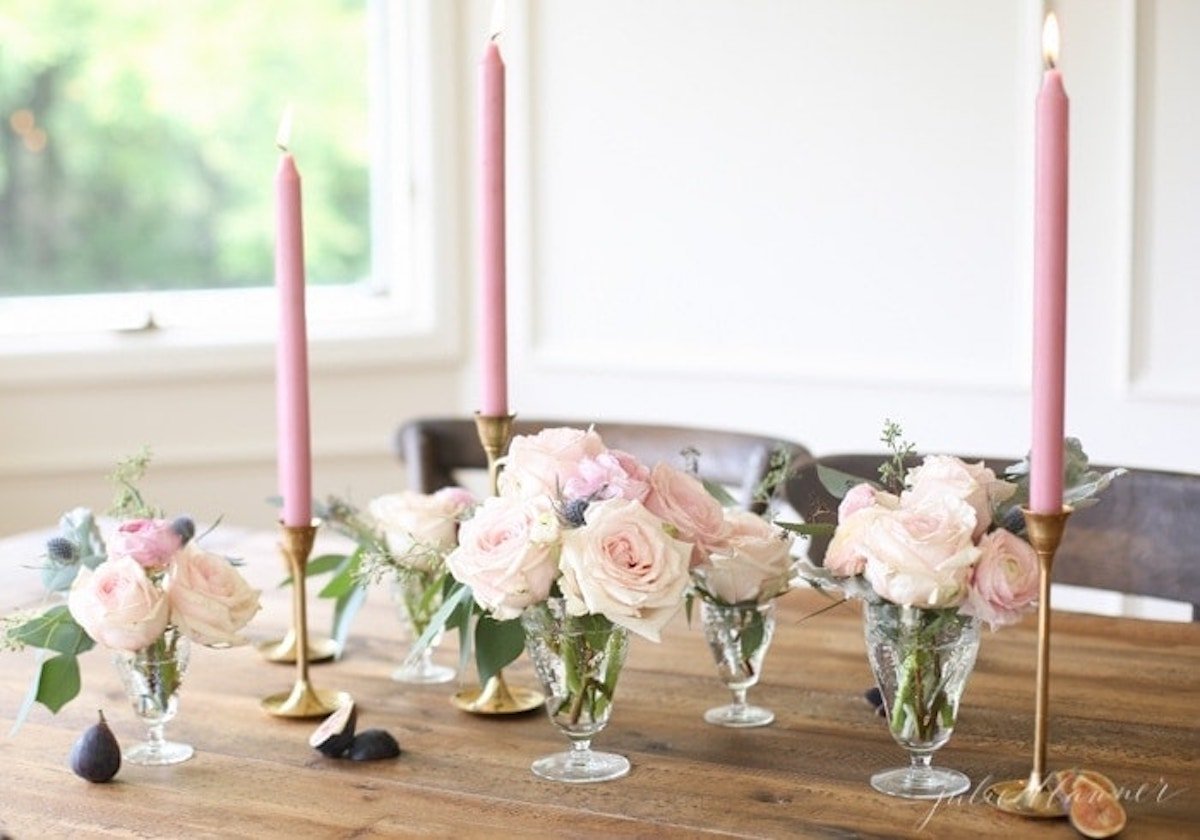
{"type": "Point", "coordinates": [1095, 811]}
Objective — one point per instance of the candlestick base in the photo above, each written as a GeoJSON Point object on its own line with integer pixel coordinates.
{"type": "Point", "coordinates": [1024, 799]}
{"type": "Point", "coordinates": [304, 701]}
{"type": "Point", "coordinates": [320, 649]}
{"type": "Point", "coordinates": [496, 698]}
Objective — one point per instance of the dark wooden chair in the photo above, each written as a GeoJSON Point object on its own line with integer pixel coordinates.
{"type": "Point", "coordinates": [434, 449]}
{"type": "Point", "coordinates": [1142, 538]}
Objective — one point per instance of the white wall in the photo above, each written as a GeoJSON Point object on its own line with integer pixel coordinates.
{"type": "Point", "coordinates": [785, 216]}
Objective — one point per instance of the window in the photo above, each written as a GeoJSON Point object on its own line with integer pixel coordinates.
{"type": "Point", "coordinates": [138, 159]}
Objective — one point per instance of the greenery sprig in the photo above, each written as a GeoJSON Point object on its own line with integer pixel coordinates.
{"type": "Point", "coordinates": [893, 470]}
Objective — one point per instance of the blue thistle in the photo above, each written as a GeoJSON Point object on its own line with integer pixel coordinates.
{"type": "Point", "coordinates": [572, 511]}
{"type": "Point", "coordinates": [185, 528]}
{"type": "Point", "coordinates": [61, 550]}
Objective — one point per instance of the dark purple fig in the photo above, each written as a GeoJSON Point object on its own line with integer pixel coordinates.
{"type": "Point", "coordinates": [372, 744]}
{"type": "Point", "coordinates": [96, 756]}
{"type": "Point", "coordinates": [335, 734]}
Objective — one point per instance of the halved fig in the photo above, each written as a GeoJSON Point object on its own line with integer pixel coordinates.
{"type": "Point", "coordinates": [336, 733]}
{"type": "Point", "coordinates": [372, 744]}
{"type": "Point", "coordinates": [1095, 812]}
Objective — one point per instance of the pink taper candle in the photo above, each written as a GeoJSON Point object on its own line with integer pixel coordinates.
{"type": "Point", "coordinates": [493, 338]}
{"type": "Point", "coordinates": [295, 454]}
{"type": "Point", "coordinates": [1049, 283]}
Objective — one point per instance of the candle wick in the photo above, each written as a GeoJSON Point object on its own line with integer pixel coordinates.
{"type": "Point", "coordinates": [281, 146]}
{"type": "Point", "coordinates": [1051, 64]}
{"type": "Point", "coordinates": [495, 36]}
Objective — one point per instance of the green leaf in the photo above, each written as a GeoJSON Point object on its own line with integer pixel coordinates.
{"type": "Point", "coordinates": [752, 636]}
{"type": "Point", "coordinates": [438, 621]}
{"type": "Point", "coordinates": [497, 644]}
{"type": "Point", "coordinates": [345, 608]}
{"type": "Point", "coordinates": [689, 602]}
{"type": "Point", "coordinates": [343, 580]}
{"type": "Point", "coordinates": [838, 483]}
{"type": "Point", "coordinates": [55, 630]}
{"type": "Point", "coordinates": [31, 694]}
{"type": "Point", "coordinates": [809, 529]}
{"type": "Point", "coordinates": [59, 681]}
{"type": "Point", "coordinates": [718, 492]}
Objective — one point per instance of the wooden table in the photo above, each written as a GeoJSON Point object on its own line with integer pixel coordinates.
{"type": "Point", "coordinates": [1123, 702]}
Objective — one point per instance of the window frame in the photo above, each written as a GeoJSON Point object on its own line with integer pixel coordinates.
{"type": "Point", "coordinates": [406, 311]}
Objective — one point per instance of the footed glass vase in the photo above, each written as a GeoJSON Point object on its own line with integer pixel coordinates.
{"type": "Point", "coordinates": [921, 659]}
{"type": "Point", "coordinates": [738, 637]}
{"type": "Point", "coordinates": [578, 660]}
{"type": "Point", "coordinates": [152, 677]}
{"type": "Point", "coordinates": [417, 597]}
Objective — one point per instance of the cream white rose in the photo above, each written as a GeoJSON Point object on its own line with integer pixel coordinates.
{"type": "Point", "coordinates": [754, 564]}
{"type": "Point", "coordinates": [419, 528]}
{"type": "Point", "coordinates": [921, 556]}
{"type": "Point", "coordinates": [857, 513]}
{"type": "Point", "coordinates": [623, 564]}
{"type": "Point", "coordinates": [975, 484]}
{"type": "Point", "coordinates": [508, 554]}
{"type": "Point", "coordinates": [118, 605]}
{"type": "Point", "coordinates": [210, 600]}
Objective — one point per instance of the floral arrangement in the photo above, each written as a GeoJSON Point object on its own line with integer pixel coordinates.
{"type": "Point", "coordinates": [140, 591]}
{"type": "Point", "coordinates": [945, 534]}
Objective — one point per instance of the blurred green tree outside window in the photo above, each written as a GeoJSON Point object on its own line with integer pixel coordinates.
{"type": "Point", "coordinates": [137, 143]}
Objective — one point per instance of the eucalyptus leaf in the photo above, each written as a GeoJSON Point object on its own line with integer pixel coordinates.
{"type": "Point", "coordinates": [319, 566]}
{"type": "Point", "coordinates": [809, 529]}
{"type": "Point", "coordinates": [31, 694]}
{"type": "Point", "coordinates": [55, 630]}
{"type": "Point", "coordinates": [345, 608]}
{"type": "Point", "coordinates": [437, 622]}
{"type": "Point", "coordinates": [59, 682]}
{"type": "Point", "coordinates": [497, 645]}
{"type": "Point", "coordinates": [718, 492]}
{"type": "Point", "coordinates": [343, 580]}
{"type": "Point", "coordinates": [839, 483]}
{"type": "Point", "coordinates": [752, 636]}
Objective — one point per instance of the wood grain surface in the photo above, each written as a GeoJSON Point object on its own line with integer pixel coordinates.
{"type": "Point", "coordinates": [1123, 701]}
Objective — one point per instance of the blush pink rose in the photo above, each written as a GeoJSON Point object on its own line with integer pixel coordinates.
{"type": "Point", "coordinates": [921, 556]}
{"type": "Point", "coordinates": [543, 464]}
{"type": "Point", "coordinates": [680, 499]}
{"type": "Point", "coordinates": [508, 554]}
{"type": "Point", "coordinates": [975, 484]}
{"type": "Point", "coordinates": [210, 601]}
{"type": "Point", "coordinates": [419, 528]}
{"type": "Point", "coordinates": [118, 605]}
{"type": "Point", "coordinates": [151, 542]}
{"type": "Point", "coordinates": [864, 496]}
{"type": "Point", "coordinates": [1004, 582]}
{"type": "Point", "coordinates": [623, 564]}
{"type": "Point", "coordinates": [753, 565]}
{"type": "Point", "coordinates": [612, 474]}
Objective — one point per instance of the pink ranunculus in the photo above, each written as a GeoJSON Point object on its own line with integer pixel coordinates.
{"type": "Point", "coordinates": [921, 556]}
{"type": "Point", "coordinates": [508, 554]}
{"type": "Point", "coordinates": [543, 464]}
{"type": "Point", "coordinates": [753, 564]}
{"type": "Point", "coordinates": [118, 605]}
{"type": "Point", "coordinates": [612, 474]}
{"type": "Point", "coordinates": [1004, 581]}
{"type": "Point", "coordinates": [151, 542]}
{"type": "Point", "coordinates": [975, 484]}
{"type": "Point", "coordinates": [624, 564]}
{"type": "Point", "coordinates": [681, 500]}
{"type": "Point", "coordinates": [420, 527]}
{"type": "Point", "coordinates": [863, 496]}
{"type": "Point", "coordinates": [210, 600]}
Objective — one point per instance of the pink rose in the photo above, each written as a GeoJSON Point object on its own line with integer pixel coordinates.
{"type": "Point", "coordinates": [420, 528]}
{"type": "Point", "coordinates": [623, 564]}
{"type": "Point", "coordinates": [151, 542]}
{"type": "Point", "coordinates": [1004, 581]}
{"type": "Point", "coordinates": [612, 474]}
{"type": "Point", "coordinates": [921, 556]}
{"type": "Point", "coordinates": [544, 463]}
{"type": "Point", "coordinates": [681, 500]}
{"type": "Point", "coordinates": [118, 605]}
{"type": "Point", "coordinates": [975, 484]}
{"type": "Point", "coordinates": [754, 563]}
{"type": "Point", "coordinates": [856, 514]}
{"type": "Point", "coordinates": [210, 601]}
{"type": "Point", "coordinates": [508, 554]}
{"type": "Point", "coordinates": [863, 496]}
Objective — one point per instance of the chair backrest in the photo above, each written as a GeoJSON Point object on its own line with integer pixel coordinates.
{"type": "Point", "coordinates": [1142, 538]}
{"type": "Point", "coordinates": [434, 448]}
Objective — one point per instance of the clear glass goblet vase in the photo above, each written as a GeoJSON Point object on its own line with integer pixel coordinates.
{"type": "Point", "coordinates": [921, 659]}
{"type": "Point", "coordinates": [417, 597]}
{"type": "Point", "coordinates": [738, 637]}
{"type": "Point", "coordinates": [152, 677]}
{"type": "Point", "coordinates": [578, 660]}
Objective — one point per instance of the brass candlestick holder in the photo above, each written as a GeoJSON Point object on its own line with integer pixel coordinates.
{"type": "Point", "coordinates": [495, 697]}
{"type": "Point", "coordinates": [1031, 797]}
{"type": "Point", "coordinates": [303, 701]}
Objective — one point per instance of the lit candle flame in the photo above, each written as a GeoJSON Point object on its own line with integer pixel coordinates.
{"type": "Point", "coordinates": [284, 135]}
{"type": "Point", "coordinates": [497, 27]}
{"type": "Point", "coordinates": [1050, 41]}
